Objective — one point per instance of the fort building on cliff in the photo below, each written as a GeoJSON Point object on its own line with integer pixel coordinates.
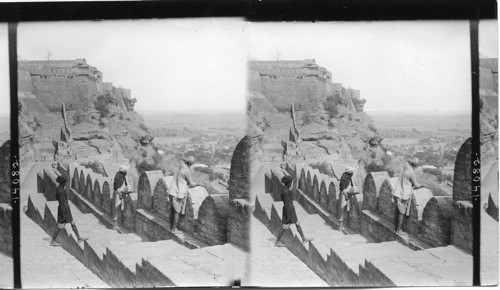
{"type": "Point", "coordinates": [301, 82]}
{"type": "Point", "coordinates": [283, 82]}
{"type": "Point", "coordinates": [74, 81]}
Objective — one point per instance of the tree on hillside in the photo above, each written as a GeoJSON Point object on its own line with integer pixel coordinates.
{"type": "Point", "coordinates": [330, 106]}
{"type": "Point", "coordinates": [102, 104]}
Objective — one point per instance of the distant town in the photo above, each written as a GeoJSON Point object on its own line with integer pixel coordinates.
{"type": "Point", "coordinates": [210, 139]}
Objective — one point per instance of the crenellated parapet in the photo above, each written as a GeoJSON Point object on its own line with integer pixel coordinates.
{"type": "Point", "coordinates": [461, 225]}
{"type": "Point", "coordinates": [161, 197]}
{"type": "Point", "coordinates": [371, 189]}
{"type": "Point", "coordinates": [208, 220]}
{"type": "Point", "coordinates": [146, 186]}
{"type": "Point", "coordinates": [434, 220]}
{"type": "Point", "coordinates": [212, 219]}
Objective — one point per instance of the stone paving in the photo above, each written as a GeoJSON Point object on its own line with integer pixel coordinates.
{"type": "Point", "coordinates": [7, 270]}
{"type": "Point", "coordinates": [43, 266]}
{"type": "Point", "coordinates": [489, 250]}
{"type": "Point", "coordinates": [350, 260]}
{"type": "Point", "coordinates": [125, 260]}
{"type": "Point", "coordinates": [271, 266]}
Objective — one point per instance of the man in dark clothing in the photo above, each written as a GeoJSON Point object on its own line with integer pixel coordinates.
{"type": "Point", "coordinates": [64, 212]}
{"type": "Point", "coordinates": [346, 189]}
{"type": "Point", "coordinates": [289, 215]}
{"type": "Point", "coordinates": [120, 186]}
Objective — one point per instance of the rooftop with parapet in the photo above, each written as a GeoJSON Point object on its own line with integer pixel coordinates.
{"type": "Point", "coordinates": [78, 66]}
{"type": "Point", "coordinates": [307, 66]}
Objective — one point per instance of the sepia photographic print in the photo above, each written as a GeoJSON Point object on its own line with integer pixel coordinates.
{"type": "Point", "coordinates": [224, 152]}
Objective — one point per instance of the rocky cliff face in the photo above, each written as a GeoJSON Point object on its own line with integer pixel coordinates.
{"type": "Point", "coordinates": [333, 128]}
{"type": "Point", "coordinates": [488, 116]}
{"type": "Point", "coordinates": [101, 120]}
{"type": "Point", "coordinates": [5, 194]}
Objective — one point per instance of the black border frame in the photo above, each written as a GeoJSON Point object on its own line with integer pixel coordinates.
{"type": "Point", "coordinates": [256, 11]}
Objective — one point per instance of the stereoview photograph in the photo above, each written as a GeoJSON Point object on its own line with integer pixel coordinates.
{"type": "Point", "coordinates": [364, 172]}
{"type": "Point", "coordinates": [220, 152]}
{"type": "Point", "coordinates": [130, 135]}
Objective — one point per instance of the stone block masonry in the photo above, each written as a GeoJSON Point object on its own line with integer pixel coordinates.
{"type": "Point", "coordinates": [303, 83]}
{"type": "Point", "coordinates": [436, 221]}
{"type": "Point", "coordinates": [239, 176]}
{"type": "Point", "coordinates": [462, 184]}
{"type": "Point", "coordinates": [206, 218]}
{"type": "Point", "coordinates": [5, 172]}
{"type": "Point", "coordinates": [212, 219]}
{"type": "Point", "coordinates": [238, 230]}
{"type": "Point", "coordinates": [77, 92]}
{"type": "Point", "coordinates": [74, 81]}
{"type": "Point", "coordinates": [147, 183]}
{"type": "Point", "coordinates": [6, 229]}
{"type": "Point", "coordinates": [371, 189]}
{"type": "Point", "coordinates": [461, 225]}
{"type": "Point", "coordinates": [195, 201]}
{"type": "Point", "coordinates": [352, 260]}
{"type": "Point", "coordinates": [433, 221]}
{"type": "Point", "coordinates": [161, 203]}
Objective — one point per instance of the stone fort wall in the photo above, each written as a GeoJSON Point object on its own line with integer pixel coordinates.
{"type": "Point", "coordinates": [5, 173]}
{"type": "Point", "coordinates": [211, 219]}
{"type": "Point", "coordinates": [73, 82]}
{"type": "Point", "coordinates": [303, 83]}
{"type": "Point", "coordinates": [488, 73]}
{"type": "Point", "coordinates": [434, 220]}
{"type": "Point", "coordinates": [5, 200]}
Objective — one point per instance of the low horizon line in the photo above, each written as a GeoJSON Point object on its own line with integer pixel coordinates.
{"type": "Point", "coordinates": [419, 112]}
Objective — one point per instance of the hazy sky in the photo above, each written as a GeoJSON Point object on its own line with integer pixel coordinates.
{"type": "Point", "coordinates": [4, 71]}
{"type": "Point", "coordinates": [398, 66]}
{"type": "Point", "coordinates": [192, 64]}
{"type": "Point", "coordinates": [200, 64]}
{"type": "Point", "coordinates": [488, 38]}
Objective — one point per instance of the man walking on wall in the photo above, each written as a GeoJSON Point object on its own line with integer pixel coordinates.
{"type": "Point", "coordinates": [289, 215]}
{"type": "Point", "coordinates": [64, 215]}
{"type": "Point", "coordinates": [121, 188]}
{"type": "Point", "coordinates": [402, 193]}
{"type": "Point", "coordinates": [178, 191]}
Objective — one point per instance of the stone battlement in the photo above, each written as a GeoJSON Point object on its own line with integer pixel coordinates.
{"type": "Point", "coordinates": [73, 82]}
{"type": "Point", "coordinates": [434, 220]}
{"type": "Point", "coordinates": [206, 216]}
{"type": "Point", "coordinates": [302, 82]}
{"type": "Point", "coordinates": [60, 68]}
{"type": "Point", "coordinates": [6, 229]}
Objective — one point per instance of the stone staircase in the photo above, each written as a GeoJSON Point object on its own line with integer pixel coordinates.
{"type": "Point", "coordinates": [352, 260]}
{"type": "Point", "coordinates": [126, 260]}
